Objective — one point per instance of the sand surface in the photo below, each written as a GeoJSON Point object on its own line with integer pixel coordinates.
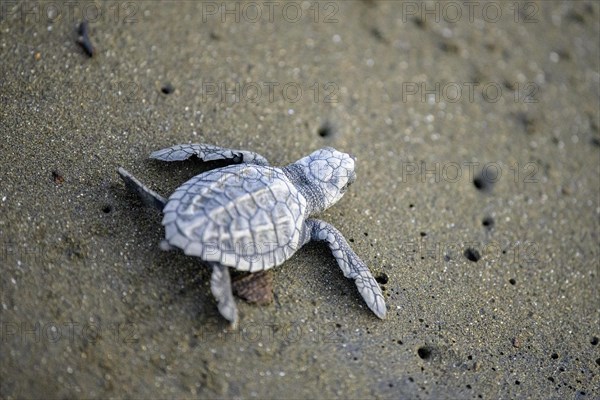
{"type": "Point", "coordinates": [477, 203]}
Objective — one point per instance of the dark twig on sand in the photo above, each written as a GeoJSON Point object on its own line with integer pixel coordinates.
{"type": "Point", "coordinates": [84, 39]}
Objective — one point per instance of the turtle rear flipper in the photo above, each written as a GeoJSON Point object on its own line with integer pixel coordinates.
{"type": "Point", "coordinates": [220, 286]}
{"type": "Point", "coordinates": [149, 197]}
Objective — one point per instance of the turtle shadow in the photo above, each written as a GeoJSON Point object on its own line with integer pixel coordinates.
{"type": "Point", "coordinates": [188, 281]}
{"type": "Point", "coordinates": [180, 280]}
{"type": "Point", "coordinates": [173, 174]}
{"type": "Point", "coordinates": [325, 278]}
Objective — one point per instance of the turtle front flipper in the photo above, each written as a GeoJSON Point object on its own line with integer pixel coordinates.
{"type": "Point", "coordinates": [149, 197]}
{"type": "Point", "coordinates": [207, 152]}
{"type": "Point", "coordinates": [350, 264]}
{"type": "Point", "coordinates": [220, 286]}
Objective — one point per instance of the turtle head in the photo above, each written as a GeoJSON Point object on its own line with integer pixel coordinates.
{"type": "Point", "coordinates": [329, 173]}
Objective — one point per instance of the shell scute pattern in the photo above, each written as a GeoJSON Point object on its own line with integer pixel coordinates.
{"type": "Point", "coordinates": [248, 217]}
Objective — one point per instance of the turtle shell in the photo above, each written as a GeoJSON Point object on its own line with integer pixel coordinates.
{"type": "Point", "coordinates": [245, 216]}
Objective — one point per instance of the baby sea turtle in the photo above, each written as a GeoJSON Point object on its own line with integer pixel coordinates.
{"type": "Point", "coordinates": [251, 216]}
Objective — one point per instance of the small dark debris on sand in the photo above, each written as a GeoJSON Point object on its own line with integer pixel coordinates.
{"type": "Point", "coordinates": [255, 287]}
{"type": "Point", "coordinates": [84, 39]}
{"type": "Point", "coordinates": [167, 88]}
{"type": "Point", "coordinates": [485, 181]}
{"type": "Point", "coordinates": [57, 178]}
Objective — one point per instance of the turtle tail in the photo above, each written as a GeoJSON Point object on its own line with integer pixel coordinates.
{"type": "Point", "coordinates": [149, 197]}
